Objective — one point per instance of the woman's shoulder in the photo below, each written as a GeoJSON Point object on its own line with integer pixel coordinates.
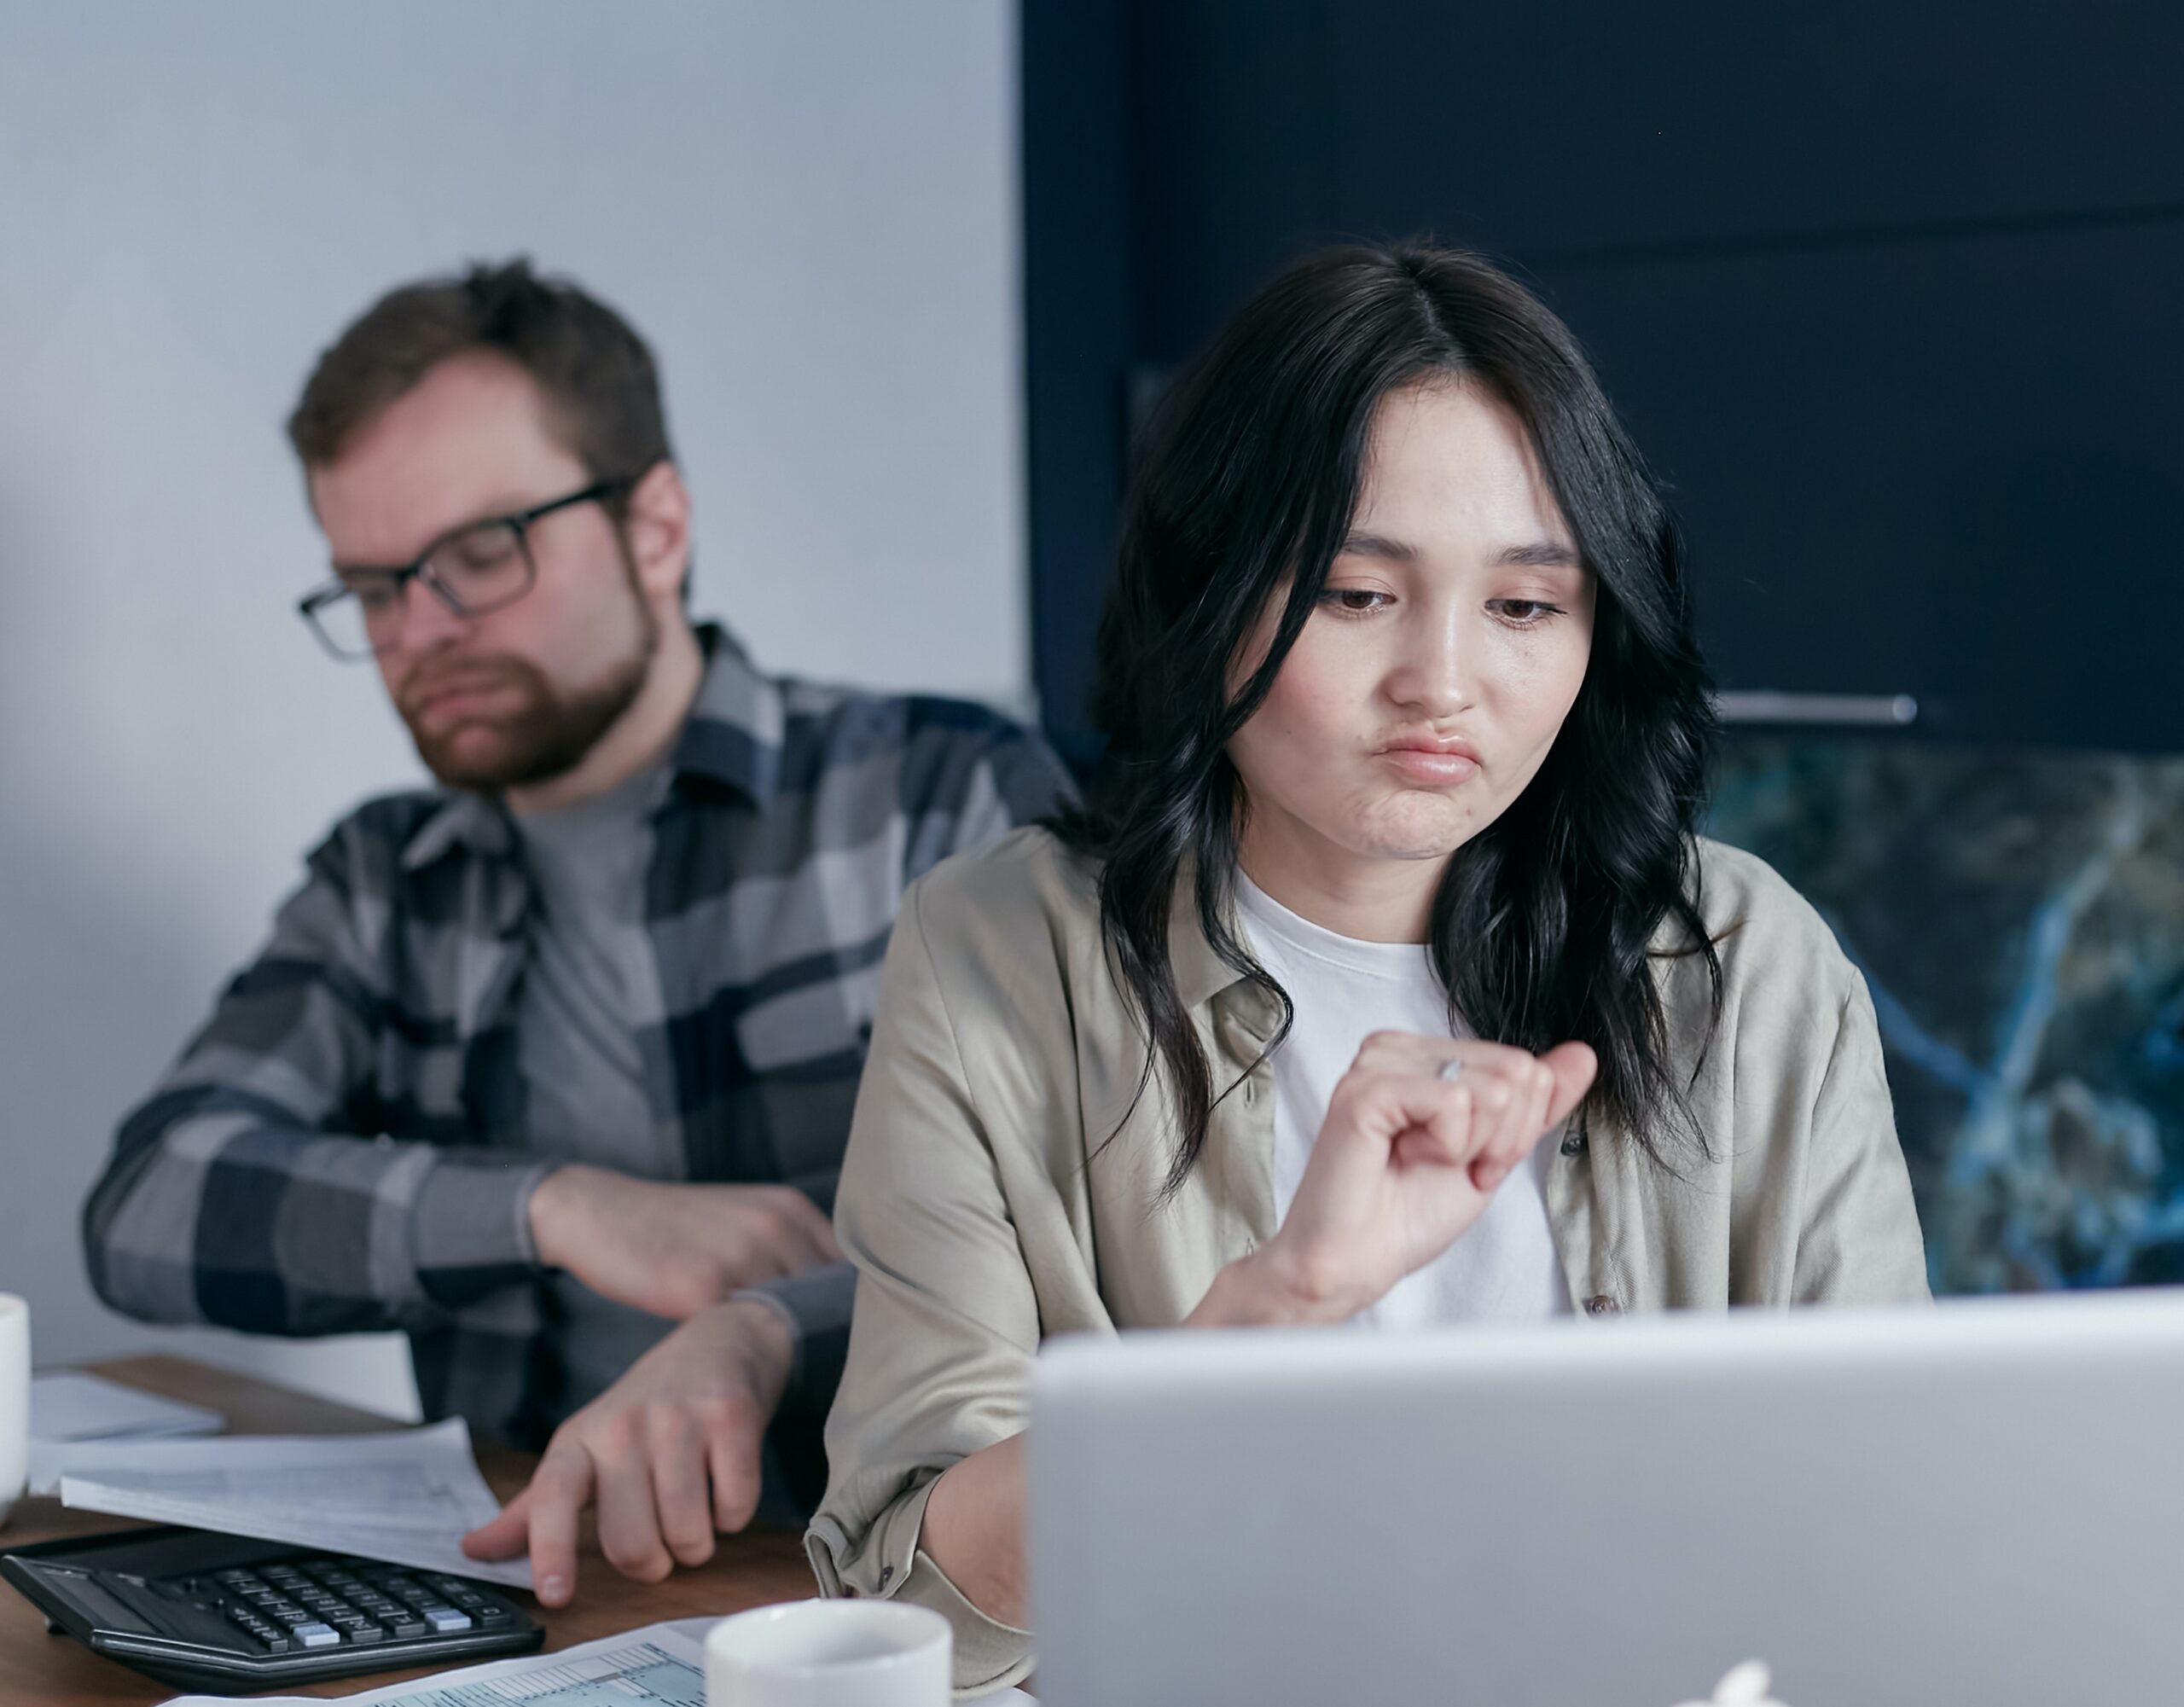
{"type": "Point", "coordinates": [1761, 926]}
{"type": "Point", "coordinates": [1027, 886]}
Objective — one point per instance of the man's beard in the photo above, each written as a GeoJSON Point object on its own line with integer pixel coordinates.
{"type": "Point", "coordinates": [547, 735]}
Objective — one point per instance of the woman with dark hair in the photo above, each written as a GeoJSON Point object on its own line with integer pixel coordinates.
{"type": "Point", "coordinates": [1384, 978]}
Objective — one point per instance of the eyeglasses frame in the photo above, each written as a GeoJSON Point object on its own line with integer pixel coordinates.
{"type": "Point", "coordinates": [319, 598]}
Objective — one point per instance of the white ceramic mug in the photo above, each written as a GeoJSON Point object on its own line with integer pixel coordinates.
{"type": "Point", "coordinates": [830, 1653]}
{"type": "Point", "coordinates": [14, 1400]}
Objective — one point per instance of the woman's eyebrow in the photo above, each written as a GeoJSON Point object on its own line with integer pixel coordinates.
{"type": "Point", "coordinates": [1377, 545]}
{"type": "Point", "coordinates": [1541, 553]}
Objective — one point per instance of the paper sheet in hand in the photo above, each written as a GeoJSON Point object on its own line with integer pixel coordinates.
{"type": "Point", "coordinates": [661, 1665]}
{"type": "Point", "coordinates": [407, 1496]}
{"type": "Point", "coordinates": [68, 1405]}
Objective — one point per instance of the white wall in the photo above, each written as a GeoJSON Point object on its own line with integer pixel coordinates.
{"type": "Point", "coordinates": [809, 208]}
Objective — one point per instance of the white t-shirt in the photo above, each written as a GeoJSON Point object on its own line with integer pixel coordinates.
{"type": "Point", "coordinates": [1504, 1268]}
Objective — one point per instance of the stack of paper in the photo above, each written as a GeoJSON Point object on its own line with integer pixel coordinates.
{"type": "Point", "coordinates": [407, 1495]}
{"type": "Point", "coordinates": [67, 1406]}
{"type": "Point", "coordinates": [68, 1409]}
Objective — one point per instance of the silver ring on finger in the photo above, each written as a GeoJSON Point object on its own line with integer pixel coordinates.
{"type": "Point", "coordinates": [1450, 1068]}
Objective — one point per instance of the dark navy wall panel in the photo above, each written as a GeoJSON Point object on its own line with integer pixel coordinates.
{"type": "Point", "coordinates": [1080, 280]}
{"type": "Point", "coordinates": [1549, 126]}
{"type": "Point", "coordinates": [1953, 470]}
{"type": "Point", "coordinates": [1887, 291]}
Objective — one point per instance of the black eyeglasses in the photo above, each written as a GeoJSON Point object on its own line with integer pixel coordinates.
{"type": "Point", "coordinates": [479, 568]}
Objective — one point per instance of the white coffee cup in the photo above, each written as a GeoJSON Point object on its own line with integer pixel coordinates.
{"type": "Point", "coordinates": [14, 1400]}
{"type": "Point", "coordinates": [830, 1653]}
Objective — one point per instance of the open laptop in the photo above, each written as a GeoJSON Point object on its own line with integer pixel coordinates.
{"type": "Point", "coordinates": [1980, 1503]}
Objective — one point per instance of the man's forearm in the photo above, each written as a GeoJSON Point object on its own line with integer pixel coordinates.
{"type": "Point", "coordinates": [221, 1207]}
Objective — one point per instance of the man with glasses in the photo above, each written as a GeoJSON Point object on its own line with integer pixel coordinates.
{"type": "Point", "coordinates": [552, 1067]}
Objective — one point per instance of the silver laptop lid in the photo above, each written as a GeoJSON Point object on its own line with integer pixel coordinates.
{"type": "Point", "coordinates": [1980, 1503]}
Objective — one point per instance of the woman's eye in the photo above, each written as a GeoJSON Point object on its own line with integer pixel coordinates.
{"type": "Point", "coordinates": [1353, 602]}
{"type": "Point", "coordinates": [1525, 613]}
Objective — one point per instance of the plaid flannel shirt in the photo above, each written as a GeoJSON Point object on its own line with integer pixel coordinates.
{"type": "Point", "coordinates": [341, 1147]}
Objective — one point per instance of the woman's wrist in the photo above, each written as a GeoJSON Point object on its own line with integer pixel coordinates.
{"type": "Point", "coordinates": [1267, 1289]}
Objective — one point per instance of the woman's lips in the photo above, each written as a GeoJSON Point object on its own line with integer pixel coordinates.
{"type": "Point", "coordinates": [1434, 766]}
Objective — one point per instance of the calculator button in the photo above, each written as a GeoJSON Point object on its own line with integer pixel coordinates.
{"type": "Point", "coordinates": [445, 1619]}
{"type": "Point", "coordinates": [492, 1615]}
{"type": "Point", "coordinates": [318, 1635]}
{"type": "Point", "coordinates": [266, 1635]}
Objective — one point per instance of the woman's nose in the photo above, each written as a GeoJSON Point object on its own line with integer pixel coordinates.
{"type": "Point", "coordinates": [1434, 675]}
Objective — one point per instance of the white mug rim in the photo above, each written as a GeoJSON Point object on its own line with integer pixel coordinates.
{"type": "Point", "coordinates": [924, 1619]}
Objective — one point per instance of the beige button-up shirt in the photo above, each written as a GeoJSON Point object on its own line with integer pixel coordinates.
{"type": "Point", "coordinates": [985, 1212]}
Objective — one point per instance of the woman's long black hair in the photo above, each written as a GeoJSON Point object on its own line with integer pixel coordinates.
{"type": "Point", "coordinates": [1247, 477]}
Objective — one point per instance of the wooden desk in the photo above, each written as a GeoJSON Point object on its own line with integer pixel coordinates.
{"type": "Point", "coordinates": [750, 1569]}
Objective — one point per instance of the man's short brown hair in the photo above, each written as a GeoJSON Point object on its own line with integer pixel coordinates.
{"type": "Point", "coordinates": [601, 385]}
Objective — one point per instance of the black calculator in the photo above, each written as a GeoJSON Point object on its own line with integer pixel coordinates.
{"type": "Point", "coordinates": [217, 1613]}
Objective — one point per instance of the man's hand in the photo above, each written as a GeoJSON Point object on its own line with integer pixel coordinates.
{"type": "Point", "coordinates": [670, 1454]}
{"type": "Point", "coordinates": [673, 1249]}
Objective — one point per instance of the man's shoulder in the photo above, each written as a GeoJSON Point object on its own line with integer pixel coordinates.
{"type": "Point", "coordinates": [396, 816]}
{"type": "Point", "coordinates": [928, 753]}
{"type": "Point", "coordinates": [370, 843]}
{"type": "Point", "coordinates": [827, 722]}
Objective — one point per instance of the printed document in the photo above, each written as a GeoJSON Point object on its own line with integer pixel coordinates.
{"type": "Point", "coordinates": [70, 1405]}
{"type": "Point", "coordinates": [661, 1665]}
{"type": "Point", "coordinates": [407, 1496]}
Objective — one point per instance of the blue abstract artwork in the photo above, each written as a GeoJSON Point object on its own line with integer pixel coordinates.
{"type": "Point", "coordinates": [2019, 918]}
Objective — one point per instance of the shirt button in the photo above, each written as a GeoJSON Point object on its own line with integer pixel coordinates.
{"type": "Point", "coordinates": [1601, 1304]}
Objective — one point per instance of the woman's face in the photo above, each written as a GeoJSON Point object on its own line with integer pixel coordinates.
{"type": "Point", "coordinates": [1426, 688]}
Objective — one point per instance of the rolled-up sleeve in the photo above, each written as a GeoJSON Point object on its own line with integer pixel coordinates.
{"type": "Point", "coordinates": [947, 1322]}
